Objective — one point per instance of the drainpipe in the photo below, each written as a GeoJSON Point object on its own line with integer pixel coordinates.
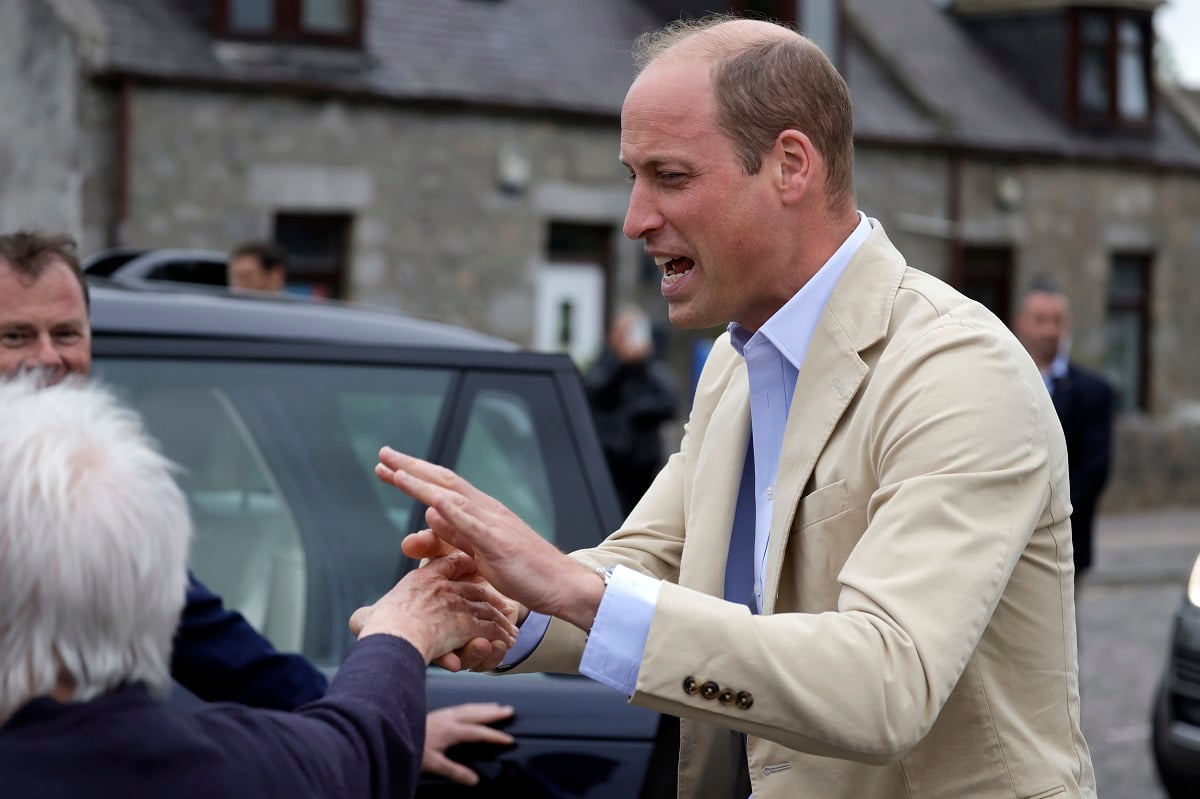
{"type": "Point", "coordinates": [120, 184]}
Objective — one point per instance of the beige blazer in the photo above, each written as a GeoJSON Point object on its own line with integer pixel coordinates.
{"type": "Point", "coordinates": [918, 629]}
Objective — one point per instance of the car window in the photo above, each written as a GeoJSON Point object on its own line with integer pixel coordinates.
{"type": "Point", "coordinates": [190, 270]}
{"type": "Point", "coordinates": [291, 525]}
{"type": "Point", "coordinates": [402, 421]}
{"type": "Point", "coordinates": [501, 456]}
{"type": "Point", "coordinates": [500, 453]}
{"type": "Point", "coordinates": [246, 541]}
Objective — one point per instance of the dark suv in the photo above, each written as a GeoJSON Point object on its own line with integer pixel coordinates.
{"type": "Point", "coordinates": [276, 410]}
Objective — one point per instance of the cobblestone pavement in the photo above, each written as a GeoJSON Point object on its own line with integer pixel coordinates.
{"type": "Point", "coordinates": [1125, 611]}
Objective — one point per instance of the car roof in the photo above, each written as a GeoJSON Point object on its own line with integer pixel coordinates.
{"type": "Point", "coordinates": [117, 309]}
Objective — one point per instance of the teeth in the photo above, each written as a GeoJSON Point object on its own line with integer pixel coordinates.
{"type": "Point", "coordinates": [671, 278]}
{"type": "Point", "coordinates": [663, 260]}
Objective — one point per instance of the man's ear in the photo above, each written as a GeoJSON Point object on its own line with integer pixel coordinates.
{"type": "Point", "coordinates": [797, 165]}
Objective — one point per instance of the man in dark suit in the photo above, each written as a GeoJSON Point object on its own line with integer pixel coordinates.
{"type": "Point", "coordinates": [94, 538]}
{"type": "Point", "coordinates": [1083, 400]}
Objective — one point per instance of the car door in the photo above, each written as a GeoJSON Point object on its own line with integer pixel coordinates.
{"type": "Point", "coordinates": [278, 444]}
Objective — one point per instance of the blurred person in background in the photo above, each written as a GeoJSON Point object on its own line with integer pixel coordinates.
{"type": "Point", "coordinates": [258, 266]}
{"type": "Point", "coordinates": [632, 395]}
{"type": "Point", "coordinates": [94, 537]}
{"type": "Point", "coordinates": [1084, 402]}
{"type": "Point", "coordinates": [217, 655]}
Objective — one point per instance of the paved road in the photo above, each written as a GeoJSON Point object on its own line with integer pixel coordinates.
{"type": "Point", "coordinates": [1124, 616]}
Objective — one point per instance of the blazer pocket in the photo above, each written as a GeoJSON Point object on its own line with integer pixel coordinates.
{"type": "Point", "coordinates": [823, 503]}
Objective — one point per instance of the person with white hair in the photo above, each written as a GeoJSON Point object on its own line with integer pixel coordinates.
{"type": "Point", "coordinates": [94, 537]}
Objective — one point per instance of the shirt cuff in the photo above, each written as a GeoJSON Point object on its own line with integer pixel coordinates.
{"type": "Point", "coordinates": [530, 634]}
{"type": "Point", "coordinates": [615, 645]}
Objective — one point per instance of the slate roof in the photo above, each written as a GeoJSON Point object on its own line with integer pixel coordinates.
{"type": "Point", "coordinates": [570, 55]}
{"type": "Point", "coordinates": [959, 96]}
{"type": "Point", "coordinates": [916, 77]}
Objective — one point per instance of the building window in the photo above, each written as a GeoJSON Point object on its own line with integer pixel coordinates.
{"type": "Point", "coordinates": [1110, 73]}
{"type": "Point", "coordinates": [317, 246]}
{"type": "Point", "coordinates": [987, 278]}
{"type": "Point", "coordinates": [337, 22]}
{"type": "Point", "coordinates": [1128, 330]}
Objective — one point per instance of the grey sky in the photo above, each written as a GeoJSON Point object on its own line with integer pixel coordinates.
{"type": "Point", "coordinates": [1178, 22]}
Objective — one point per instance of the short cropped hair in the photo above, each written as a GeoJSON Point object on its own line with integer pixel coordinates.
{"type": "Point", "coordinates": [94, 536]}
{"type": "Point", "coordinates": [270, 255]}
{"type": "Point", "coordinates": [1042, 284]}
{"type": "Point", "coordinates": [30, 252]}
{"type": "Point", "coordinates": [765, 85]}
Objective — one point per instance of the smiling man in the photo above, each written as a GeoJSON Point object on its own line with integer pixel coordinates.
{"type": "Point", "coordinates": [43, 308]}
{"type": "Point", "coordinates": [854, 579]}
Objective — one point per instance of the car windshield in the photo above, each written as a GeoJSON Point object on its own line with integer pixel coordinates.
{"type": "Point", "coordinates": [291, 525]}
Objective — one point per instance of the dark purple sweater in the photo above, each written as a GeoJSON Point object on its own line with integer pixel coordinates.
{"type": "Point", "coordinates": [362, 739]}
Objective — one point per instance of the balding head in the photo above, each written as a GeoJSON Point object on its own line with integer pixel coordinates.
{"type": "Point", "coordinates": [708, 39]}
{"type": "Point", "coordinates": [766, 78]}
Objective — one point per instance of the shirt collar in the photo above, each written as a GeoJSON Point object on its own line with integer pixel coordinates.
{"type": "Point", "coordinates": [1058, 368]}
{"type": "Point", "coordinates": [804, 308]}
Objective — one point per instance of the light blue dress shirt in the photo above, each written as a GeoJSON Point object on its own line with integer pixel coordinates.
{"type": "Point", "coordinates": [773, 357]}
{"type": "Point", "coordinates": [1056, 371]}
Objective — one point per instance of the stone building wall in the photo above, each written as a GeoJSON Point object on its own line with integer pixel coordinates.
{"type": "Point", "coordinates": [1066, 221]}
{"type": "Point", "coordinates": [434, 234]}
{"type": "Point", "coordinates": [908, 192]}
{"type": "Point", "coordinates": [39, 133]}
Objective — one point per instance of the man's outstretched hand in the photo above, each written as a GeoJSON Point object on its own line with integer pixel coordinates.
{"type": "Point", "coordinates": [508, 553]}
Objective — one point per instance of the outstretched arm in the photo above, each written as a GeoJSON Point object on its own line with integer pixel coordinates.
{"type": "Point", "coordinates": [510, 554]}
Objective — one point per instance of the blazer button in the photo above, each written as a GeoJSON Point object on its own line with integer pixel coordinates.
{"type": "Point", "coordinates": [709, 690]}
{"type": "Point", "coordinates": [690, 686]}
{"type": "Point", "coordinates": [745, 700]}
{"type": "Point", "coordinates": [726, 697]}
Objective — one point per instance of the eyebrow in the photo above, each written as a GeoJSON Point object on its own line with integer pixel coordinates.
{"type": "Point", "coordinates": [657, 161]}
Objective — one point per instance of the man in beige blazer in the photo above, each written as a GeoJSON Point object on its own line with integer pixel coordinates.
{"type": "Point", "coordinates": [860, 558]}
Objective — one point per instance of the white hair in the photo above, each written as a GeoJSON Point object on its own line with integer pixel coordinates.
{"type": "Point", "coordinates": [94, 538]}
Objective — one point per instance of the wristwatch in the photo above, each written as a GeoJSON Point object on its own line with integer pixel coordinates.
{"type": "Point", "coordinates": [605, 572]}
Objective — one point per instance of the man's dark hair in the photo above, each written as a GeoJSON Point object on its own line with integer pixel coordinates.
{"type": "Point", "coordinates": [29, 253]}
{"type": "Point", "coordinates": [269, 254]}
{"type": "Point", "coordinates": [1042, 284]}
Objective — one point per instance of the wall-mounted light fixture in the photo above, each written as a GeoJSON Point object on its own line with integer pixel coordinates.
{"type": "Point", "coordinates": [513, 168]}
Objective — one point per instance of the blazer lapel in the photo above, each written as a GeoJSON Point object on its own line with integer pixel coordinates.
{"type": "Point", "coordinates": [855, 317]}
{"type": "Point", "coordinates": [829, 378]}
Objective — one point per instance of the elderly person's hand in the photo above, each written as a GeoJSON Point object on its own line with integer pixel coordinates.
{"type": "Point", "coordinates": [439, 609]}
{"type": "Point", "coordinates": [457, 724]}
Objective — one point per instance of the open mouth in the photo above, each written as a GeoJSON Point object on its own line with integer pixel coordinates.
{"type": "Point", "coordinates": [673, 268]}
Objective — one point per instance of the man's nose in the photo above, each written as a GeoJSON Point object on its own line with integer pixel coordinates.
{"type": "Point", "coordinates": [642, 216]}
{"type": "Point", "coordinates": [47, 354]}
